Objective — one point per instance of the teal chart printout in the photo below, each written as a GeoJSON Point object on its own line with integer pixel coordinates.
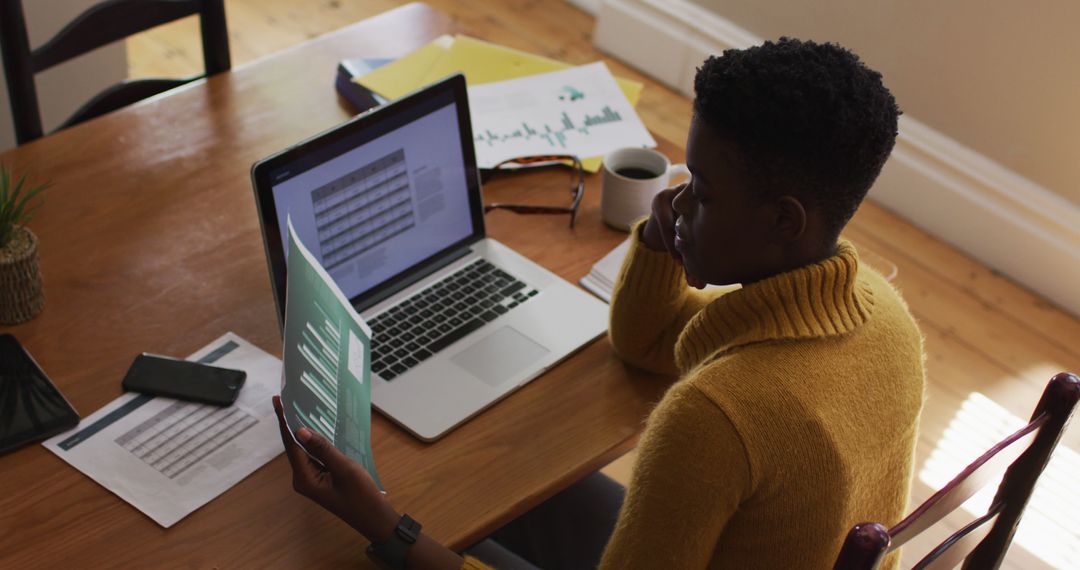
{"type": "Point", "coordinates": [326, 359]}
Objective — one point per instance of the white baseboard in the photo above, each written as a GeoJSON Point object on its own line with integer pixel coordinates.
{"type": "Point", "coordinates": [1002, 219]}
{"type": "Point", "coordinates": [1005, 221]}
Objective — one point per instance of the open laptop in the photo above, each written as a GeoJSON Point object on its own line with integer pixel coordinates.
{"type": "Point", "coordinates": [390, 204]}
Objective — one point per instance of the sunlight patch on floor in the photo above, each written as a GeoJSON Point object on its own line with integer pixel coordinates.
{"type": "Point", "coordinates": [1050, 528]}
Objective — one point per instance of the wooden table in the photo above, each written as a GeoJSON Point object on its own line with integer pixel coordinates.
{"type": "Point", "coordinates": [149, 241]}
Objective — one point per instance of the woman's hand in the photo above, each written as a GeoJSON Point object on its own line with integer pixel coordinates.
{"type": "Point", "coordinates": [337, 483]}
{"type": "Point", "coordinates": [658, 234]}
{"type": "Point", "coordinates": [659, 231]}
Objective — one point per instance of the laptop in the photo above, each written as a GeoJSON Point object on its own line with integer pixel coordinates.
{"type": "Point", "coordinates": [390, 204]}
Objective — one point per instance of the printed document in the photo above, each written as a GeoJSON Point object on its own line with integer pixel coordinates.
{"type": "Point", "coordinates": [326, 377]}
{"type": "Point", "coordinates": [578, 111]}
{"type": "Point", "coordinates": [600, 280]}
{"type": "Point", "coordinates": [168, 457]}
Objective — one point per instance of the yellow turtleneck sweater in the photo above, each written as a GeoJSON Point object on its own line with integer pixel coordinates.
{"type": "Point", "coordinates": [795, 416]}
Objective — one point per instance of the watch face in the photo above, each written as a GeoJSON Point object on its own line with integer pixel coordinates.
{"type": "Point", "coordinates": [408, 529]}
{"type": "Point", "coordinates": [391, 554]}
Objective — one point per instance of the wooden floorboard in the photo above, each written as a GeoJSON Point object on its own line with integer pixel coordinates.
{"type": "Point", "coordinates": [996, 292]}
{"type": "Point", "coordinates": [984, 334]}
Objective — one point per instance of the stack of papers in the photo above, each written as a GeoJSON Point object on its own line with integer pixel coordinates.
{"type": "Point", "coordinates": [481, 62]}
{"type": "Point", "coordinates": [578, 111]}
{"type": "Point", "coordinates": [601, 278]}
{"type": "Point", "coordinates": [484, 64]}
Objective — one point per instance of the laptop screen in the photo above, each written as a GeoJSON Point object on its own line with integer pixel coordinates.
{"type": "Point", "coordinates": [382, 198]}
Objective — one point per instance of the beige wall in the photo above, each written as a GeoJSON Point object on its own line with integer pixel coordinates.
{"type": "Point", "coordinates": [1001, 77]}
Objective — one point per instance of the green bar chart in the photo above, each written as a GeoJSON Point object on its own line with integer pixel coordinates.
{"type": "Point", "coordinates": [327, 359]}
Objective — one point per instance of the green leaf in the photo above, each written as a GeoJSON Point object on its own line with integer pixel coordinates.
{"type": "Point", "coordinates": [23, 215]}
{"type": "Point", "coordinates": [18, 189]}
{"type": "Point", "coordinates": [5, 181]}
{"type": "Point", "coordinates": [17, 201]}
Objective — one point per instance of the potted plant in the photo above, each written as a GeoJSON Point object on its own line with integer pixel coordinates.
{"type": "Point", "coordinates": [21, 293]}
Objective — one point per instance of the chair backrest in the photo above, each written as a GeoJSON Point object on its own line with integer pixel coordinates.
{"type": "Point", "coordinates": [99, 25]}
{"type": "Point", "coordinates": [984, 541]}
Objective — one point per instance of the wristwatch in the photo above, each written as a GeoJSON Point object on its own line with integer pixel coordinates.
{"type": "Point", "coordinates": [391, 554]}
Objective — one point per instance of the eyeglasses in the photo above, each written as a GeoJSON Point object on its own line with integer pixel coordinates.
{"type": "Point", "coordinates": [526, 163]}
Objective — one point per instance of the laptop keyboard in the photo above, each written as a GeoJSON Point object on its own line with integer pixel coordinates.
{"type": "Point", "coordinates": [436, 317]}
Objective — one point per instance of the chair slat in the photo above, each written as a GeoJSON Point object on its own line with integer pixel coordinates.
{"type": "Point", "coordinates": [987, 468]}
{"type": "Point", "coordinates": [953, 550]}
{"type": "Point", "coordinates": [108, 22]}
{"type": "Point", "coordinates": [121, 95]}
{"type": "Point", "coordinates": [103, 23]}
{"type": "Point", "coordinates": [1058, 401]}
{"type": "Point", "coordinates": [983, 543]}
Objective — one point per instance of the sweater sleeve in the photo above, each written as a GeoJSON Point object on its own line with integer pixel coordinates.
{"type": "Point", "coordinates": [650, 306]}
{"type": "Point", "coordinates": [691, 474]}
{"type": "Point", "coordinates": [472, 563]}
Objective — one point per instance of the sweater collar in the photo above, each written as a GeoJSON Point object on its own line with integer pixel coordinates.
{"type": "Point", "coordinates": [819, 300]}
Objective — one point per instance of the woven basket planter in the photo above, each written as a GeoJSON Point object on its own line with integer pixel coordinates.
{"type": "Point", "coordinates": [21, 294]}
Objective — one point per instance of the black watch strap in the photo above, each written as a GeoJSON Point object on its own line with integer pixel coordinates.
{"type": "Point", "coordinates": [392, 552]}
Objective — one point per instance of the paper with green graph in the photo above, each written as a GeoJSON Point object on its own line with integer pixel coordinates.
{"type": "Point", "coordinates": [481, 63]}
{"type": "Point", "coordinates": [326, 383]}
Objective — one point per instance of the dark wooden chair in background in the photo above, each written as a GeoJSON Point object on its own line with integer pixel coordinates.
{"type": "Point", "coordinates": [982, 543]}
{"type": "Point", "coordinates": [99, 25]}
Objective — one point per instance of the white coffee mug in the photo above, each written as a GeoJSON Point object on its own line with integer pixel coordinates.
{"type": "Point", "coordinates": [632, 177]}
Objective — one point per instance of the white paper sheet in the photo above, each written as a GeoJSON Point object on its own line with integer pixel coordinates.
{"type": "Point", "coordinates": [600, 280]}
{"type": "Point", "coordinates": [167, 457]}
{"type": "Point", "coordinates": [579, 111]}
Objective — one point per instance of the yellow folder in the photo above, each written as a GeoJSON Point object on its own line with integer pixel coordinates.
{"type": "Point", "coordinates": [480, 62]}
{"type": "Point", "coordinates": [407, 73]}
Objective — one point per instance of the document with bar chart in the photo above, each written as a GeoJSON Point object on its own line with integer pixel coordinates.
{"type": "Point", "coordinates": [579, 111]}
{"type": "Point", "coordinates": [326, 369]}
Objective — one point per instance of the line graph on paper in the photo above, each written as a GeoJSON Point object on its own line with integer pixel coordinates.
{"type": "Point", "coordinates": [554, 135]}
{"type": "Point", "coordinates": [579, 111]}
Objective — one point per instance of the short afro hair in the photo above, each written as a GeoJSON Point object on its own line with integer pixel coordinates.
{"type": "Point", "coordinates": [809, 119]}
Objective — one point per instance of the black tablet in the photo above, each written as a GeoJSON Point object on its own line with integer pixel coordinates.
{"type": "Point", "coordinates": [31, 408]}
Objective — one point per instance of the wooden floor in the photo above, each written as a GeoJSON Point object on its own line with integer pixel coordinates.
{"type": "Point", "coordinates": [991, 345]}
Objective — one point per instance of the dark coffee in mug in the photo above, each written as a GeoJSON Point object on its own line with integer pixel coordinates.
{"type": "Point", "coordinates": [637, 173]}
{"type": "Point", "coordinates": [631, 178]}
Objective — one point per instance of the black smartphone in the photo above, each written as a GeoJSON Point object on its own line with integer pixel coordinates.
{"type": "Point", "coordinates": [31, 407]}
{"type": "Point", "coordinates": [184, 380]}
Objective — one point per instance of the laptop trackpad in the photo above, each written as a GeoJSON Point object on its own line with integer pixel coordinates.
{"type": "Point", "coordinates": [500, 356]}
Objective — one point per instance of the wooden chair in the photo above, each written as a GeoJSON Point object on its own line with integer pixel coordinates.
{"type": "Point", "coordinates": [982, 543]}
{"type": "Point", "coordinates": [101, 24]}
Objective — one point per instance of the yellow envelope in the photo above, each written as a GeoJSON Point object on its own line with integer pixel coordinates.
{"type": "Point", "coordinates": [483, 62]}
{"type": "Point", "coordinates": [405, 74]}
{"type": "Point", "coordinates": [480, 62]}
